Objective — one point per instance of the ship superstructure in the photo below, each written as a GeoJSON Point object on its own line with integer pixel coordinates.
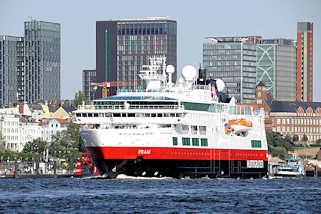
{"type": "Point", "coordinates": [188, 129]}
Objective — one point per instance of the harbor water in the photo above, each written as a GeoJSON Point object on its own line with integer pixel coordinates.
{"type": "Point", "coordinates": [129, 195]}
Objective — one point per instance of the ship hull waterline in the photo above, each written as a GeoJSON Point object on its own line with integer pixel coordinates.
{"type": "Point", "coordinates": [178, 162]}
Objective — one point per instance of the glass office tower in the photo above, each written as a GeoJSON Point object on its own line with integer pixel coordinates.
{"type": "Point", "coordinates": [232, 59]}
{"type": "Point", "coordinates": [88, 77]}
{"type": "Point", "coordinates": [123, 46]}
{"type": "Point", "coordinates": [276, 67]}
{"type": "Point", "coordinates": [11, 65]}
{"type": "Point", "coordinates": [42, 61]}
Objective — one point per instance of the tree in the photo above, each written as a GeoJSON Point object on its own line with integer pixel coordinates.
{"type": "Point", "coordinates": [35, 146]}
{"type": "Point", "coordinates": [67, 144]}
{"type": "Point", "coordinates": [74, 131]}
{"type": "Point", "coordinates": [279, 152]}
{"type": "Point", "coordinates": [79, 99]}
{"type": "Point", "coordinates": [295, 138]}
{"type": "Point", "coordinates": [305, 138]}
{"type": "Point", "coordinates": [34, 149]}
{"type": "Point", "coordinates": [278, 145]}
{"type": "Point", "coordinates": [2, 143]}
{"type": "Point", "coordinates": [318, 142]}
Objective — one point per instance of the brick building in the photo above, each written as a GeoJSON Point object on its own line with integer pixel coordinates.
{"type": "Point", "coordinates": [297, 118]}
{"type": "Point", "coordinates": [289, 117]}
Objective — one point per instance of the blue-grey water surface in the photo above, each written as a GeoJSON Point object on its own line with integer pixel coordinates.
{"type": "Point", "coordinates": [74, 195]}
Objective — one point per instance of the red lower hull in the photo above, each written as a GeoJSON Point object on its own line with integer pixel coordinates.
{"type": "Point", "coordinates": [176, 153]}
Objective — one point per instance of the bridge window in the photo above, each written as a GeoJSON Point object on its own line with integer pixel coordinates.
{"type": "Point", "coordinates": [202, 130]}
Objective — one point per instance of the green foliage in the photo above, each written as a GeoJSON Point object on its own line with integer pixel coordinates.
{"type": "Point", "coordinates": [278, 145]}
{"type": "Point", "coordinates": [2, 143]}
{"type": "Point", "coordinates": [280, 152]}
{"type": "Point", "coordinates": [8, 155]}
{"type": "Point", "coordinates": [34, 150]}
{"type": "Point", "coordinates": [295, 138]}
{"type": "Point", "coordinates": [79, 98]}
{"type": "Point", "coordinates": [35, 146]}
{"type": "Point", "coordinates": [318, 142]}
{"type": "Point", "coordinates": [67, 144]}
{"type": "Point", "coordinates": [305, 138]}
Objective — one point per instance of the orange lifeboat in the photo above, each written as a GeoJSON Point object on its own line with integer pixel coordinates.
{"type": "Point", "coordinates": [237, 126]}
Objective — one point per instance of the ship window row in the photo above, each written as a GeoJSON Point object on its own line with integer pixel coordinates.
{"type": "Point", "coordinates": [128, 114]}
{"type": "Point", "coordinates": [186, 141]}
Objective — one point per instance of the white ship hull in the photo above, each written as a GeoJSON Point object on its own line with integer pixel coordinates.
{"type": "Point", "coordinates": [174, 131]}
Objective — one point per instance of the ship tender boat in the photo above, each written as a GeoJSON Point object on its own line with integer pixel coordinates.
{"type": "Point", "coordinates": [175, 130]}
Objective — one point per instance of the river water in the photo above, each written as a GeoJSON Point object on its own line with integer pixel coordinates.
{"type": "Point", "coordinates": [129, 195]}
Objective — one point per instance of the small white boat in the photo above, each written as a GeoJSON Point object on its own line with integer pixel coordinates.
{"type": "Point", "coordinates": [292, 168]}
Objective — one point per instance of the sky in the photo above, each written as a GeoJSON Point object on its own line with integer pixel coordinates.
{"type": "Point", "coordinates": [196, 20]}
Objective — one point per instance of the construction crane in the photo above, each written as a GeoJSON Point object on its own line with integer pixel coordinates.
{"type": "Point", "coordinates": [106, 85]}
{"type": "Point", "coordinates": [104, 88]}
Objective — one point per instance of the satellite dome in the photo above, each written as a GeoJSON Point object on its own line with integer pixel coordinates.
{"type": "Point", "coordinates": [170, 69]}
{"type": "Point", "coordinates": [189, 72]}
{"type": "Point", "coordinates": [220, 85]}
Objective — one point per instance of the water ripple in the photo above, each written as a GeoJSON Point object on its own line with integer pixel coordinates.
{"type": "Point", "coordinates": [70, 195]}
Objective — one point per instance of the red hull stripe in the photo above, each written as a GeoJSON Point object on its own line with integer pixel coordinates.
{"type": "Point", "coordinates": [176, 153]}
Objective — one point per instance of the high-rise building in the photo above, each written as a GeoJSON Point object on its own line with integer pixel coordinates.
{"type": "Point", "coordinates": [88, 77]}
{"type": "Point", "coordinates": [11, 65]}
{"type": "Point", "coordinates": [304, 62]}
{"type": "Point", "coordinates": [123, 46]}
{"type": "Point", "coordinates": [42, 61]}
{"type": "Point", "coordinates": [276, 67]}
{"type": "Point", "coordinates": [233, 59]}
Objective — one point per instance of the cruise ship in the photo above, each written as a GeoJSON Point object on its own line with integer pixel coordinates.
{"type": "Point", "coordinates": [188, 129]}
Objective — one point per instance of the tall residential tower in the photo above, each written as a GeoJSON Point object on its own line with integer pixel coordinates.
{"type": "Point", "coordinates": [304, 87]}
{"type": "Point", "coordinates": [123, 46]}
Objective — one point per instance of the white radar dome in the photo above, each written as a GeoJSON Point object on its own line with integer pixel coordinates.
{"type": "Point", "coordinates": [189, 72]}
{"type": "Point", "coordinates": [220, 85]}
{"type": "Point", "coordinates": [170, 69]}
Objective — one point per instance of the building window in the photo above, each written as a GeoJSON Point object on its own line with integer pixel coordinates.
{"type": "Point", "coordinates": [278, 121]}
